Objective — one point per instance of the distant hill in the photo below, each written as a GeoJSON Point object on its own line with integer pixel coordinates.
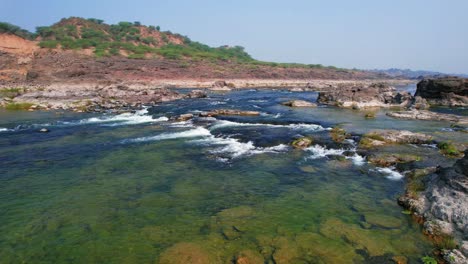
{"type": "Point", "coordinates": [79, 49]}
{"type": "Point", "coordinates": [414, 74]}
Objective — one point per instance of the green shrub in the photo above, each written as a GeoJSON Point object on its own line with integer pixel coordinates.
{"type": "Point", "coordinates": [449, 149]}
{"type": "Point", "coordinates": [136, 56]}
{"type": "Point", "coordinates": [11, 92]}
{"type": "Point", "coordinates": [18, 106]}
{"type": "Point", "coordinates": [445, 242]}
{"type": "Point", "coordinates": [428, 260]}
{"type": "Point", "coordinates": [15, 30]}
{"type": "Point", "coordinates": [48, 44]}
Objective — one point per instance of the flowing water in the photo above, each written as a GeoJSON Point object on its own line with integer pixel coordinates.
{"type": "Point", "coordinates": [139, 188]}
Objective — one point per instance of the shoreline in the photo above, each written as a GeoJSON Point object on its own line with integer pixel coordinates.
{"type": "Point", "coordinates": [90, 96]}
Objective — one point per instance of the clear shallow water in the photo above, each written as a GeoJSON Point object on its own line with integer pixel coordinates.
{"type": "Point", "coordinates": [137, 188]}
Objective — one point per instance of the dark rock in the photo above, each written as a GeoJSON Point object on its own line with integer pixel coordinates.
{"type": "Point", "coordinates": [197, 94]}
{"type": "Point", "coordinates": [219, 84]}
{"type": "Point", "coordinates": [448, 91]}
{"type": "Point", "coordinates": [374, 95]}
{"type": "Point", "coordinates": [184, 117]}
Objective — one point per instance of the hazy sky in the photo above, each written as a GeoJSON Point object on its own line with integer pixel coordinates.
{"type": "Point", "coordinates": [366, 34]}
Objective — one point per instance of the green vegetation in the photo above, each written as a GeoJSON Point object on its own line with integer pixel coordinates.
{"type": "Point", "coordinates": [428, 260]}
{"type": "Point", "coordinates": [138, 42]}
{"type": "Point", "coordinates": [338, 134]}
{"type": "Point", "coordinates": [449, 149]}
{"type": "Point", "coordinates": [18, 106]}
{"type": "Point", "coordinates": [415, 181]}
{"type": "Point", "coordinates": [444, 241]}
{"type": "Point", "coordinates": [370, 115]}
{"type": "Point", "coordinates": [15, 30]}
{"type": "Point", "coordinates": [11, 92]}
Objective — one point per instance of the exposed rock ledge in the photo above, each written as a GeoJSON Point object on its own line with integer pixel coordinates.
{"type": "Point", "coordinates": [366, 96]}
{"type": "Point", "coordinates": [449, 91]}
{"type": "Point", "coordinates": [443, 205]}
{"type": "Point", "coordinates": [428, 115]}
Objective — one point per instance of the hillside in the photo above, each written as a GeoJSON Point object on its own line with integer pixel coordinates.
{"type": "Point", "coordinates": [78, 49]}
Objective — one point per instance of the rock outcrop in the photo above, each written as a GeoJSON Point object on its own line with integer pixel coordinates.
{"type": "Point", "coordinates": [302, 143]}
{"type": "Point", "coordinates": [299, 103]}
{"type": "Point", "coordinates": [449, 91]}
{"type": "Point", "coordinates": [378, 138]}
{"type": "Point", "coordinates": [373, 95]}
{"type": "Point", "coordinates": [85, 98]}
{"type": "Point", "coordinates": [443, 204]}
{"type": "Point", "coordinates": [428, 115]}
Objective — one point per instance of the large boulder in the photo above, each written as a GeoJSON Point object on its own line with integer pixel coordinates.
{"type": "Point", "coordinates": [373, 95]}
{"type": "Point", "coordinates": [443, 204]}
{"type": "Point", "coordinates": [448, 91]}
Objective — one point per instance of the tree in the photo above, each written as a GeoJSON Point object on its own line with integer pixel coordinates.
{"type": "Point", "coordinates": [158, 28]}
{"type": "Point", "coordinates": [137, 23]}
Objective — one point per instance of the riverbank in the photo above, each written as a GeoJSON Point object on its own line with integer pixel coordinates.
{"type": "Point", "coordinates": [91, 96]}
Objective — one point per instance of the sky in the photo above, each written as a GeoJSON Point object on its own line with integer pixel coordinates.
{"type": "Point", "coordinates": [363, 34]}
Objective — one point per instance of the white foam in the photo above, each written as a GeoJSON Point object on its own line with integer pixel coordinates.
{"type": "Point", "coordinates": [188, 123]}
{"type": "Point", "coordinates": [225, 123]}
{"type": "Point", "coordinates": [257, 101]}
{"type": "Point", "coordinates": [234, 148]}
{"type": "Point", "coordinates": [218, 103]}
{"type": "Point", "coordinates": [139, 117]}
{"type": "Point", "coordinates": [357, 159]}
{"type": "Point", "coordinates": [321, 152]}
{"type": "Point", "coordinates": [391, 173]}
{"type": "Point", "coordinates": [197, 132]}
{"type": "Point", "coordinates": [2, 129]}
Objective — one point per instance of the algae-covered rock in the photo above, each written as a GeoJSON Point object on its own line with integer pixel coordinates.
{"type": "Point", "coordinates": [390, 159]}
{"type": "Point", "coordinates": [338, 134]}
{"type": "Point", "coordinates": [308, 169]}
{"type": "Point", "coordinates": [302, 143]}
{"type": "Point", "coordinates": [386, 137]}
{"type": "Point", "coordinates": [183, 253]}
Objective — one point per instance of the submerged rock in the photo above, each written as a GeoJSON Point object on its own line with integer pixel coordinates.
{"type": "Point", "coordinates": [448, 91]}
{"type": "Point", "coordinates": [183, 253]}
{"type": "Point", "coordinates": [249, 257]}
{"type": "Point", "coordinates": [299, 103]}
